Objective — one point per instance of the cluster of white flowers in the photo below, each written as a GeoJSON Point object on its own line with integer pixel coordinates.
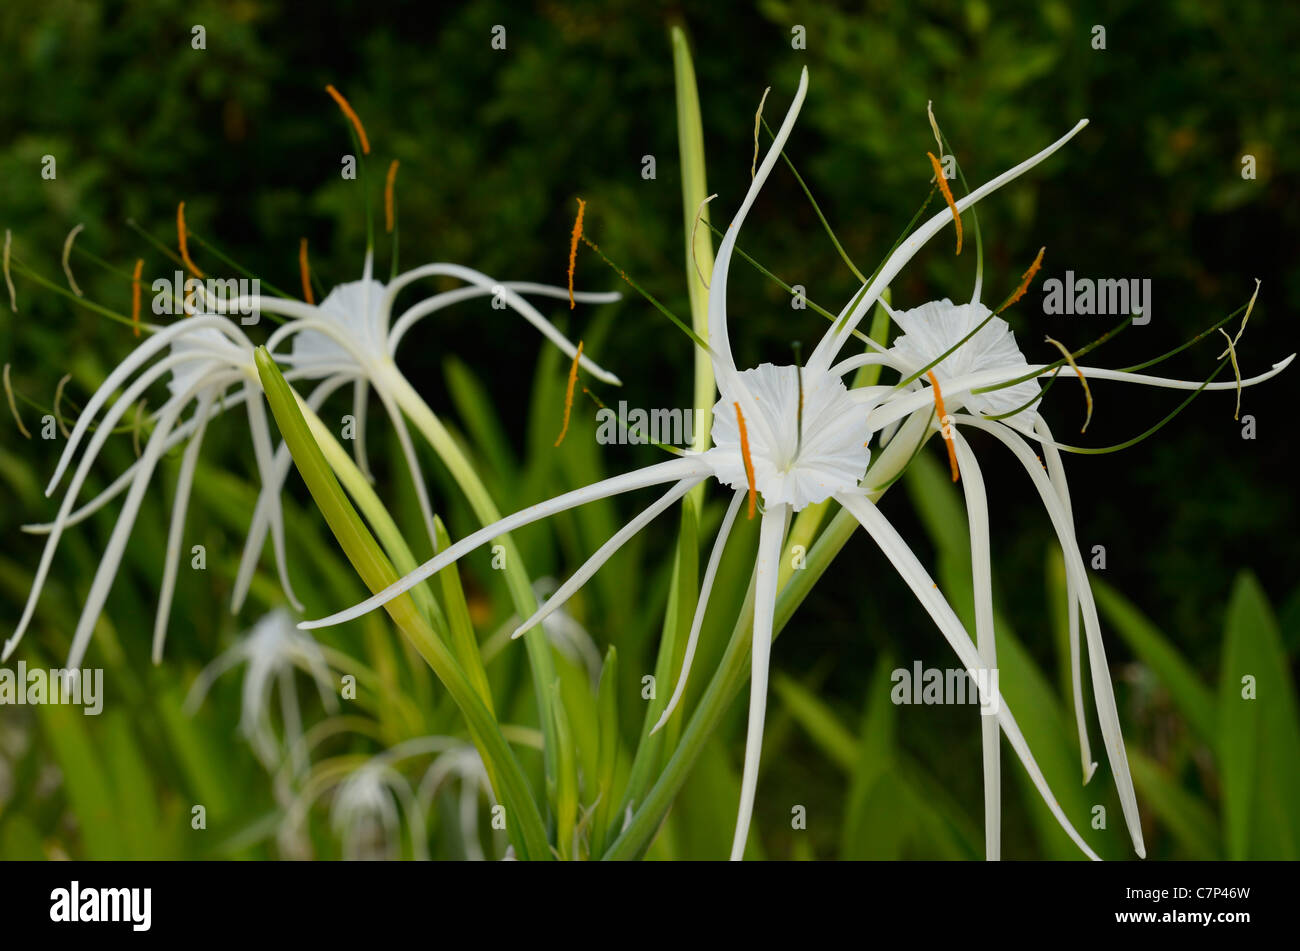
{"type": "Point", "coordinates": [783, 438]}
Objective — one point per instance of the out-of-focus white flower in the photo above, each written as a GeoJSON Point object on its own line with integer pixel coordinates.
{"type": "Point", "coordinates": [272, 651]}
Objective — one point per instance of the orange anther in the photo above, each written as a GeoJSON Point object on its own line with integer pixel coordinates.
{"type": "Point", "coordinates": [749, 462]}
{"type": "Point", "coordinates": [944, 425]}
{"type": "Point", "coordinates": [947, 196]}
{"type": "Point", "coordinates": [352, 117]}
{"type": "Point", "coordinates": [568, 393]}
{"type": "Point", "coordinates": [181, 239]}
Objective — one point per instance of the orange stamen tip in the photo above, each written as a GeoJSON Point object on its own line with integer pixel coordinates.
{"type": "Point", "coordinates": [1025, 280]}
{"type": "Point", "coordinates": [947, 195]}
{"type": "Point", "coordinates": [568, 393]}
{"type": "Point", "coordinates": [573, 247]}
{"type": "Point", "coordinates": [135, 296]}
{"type": "Point", "coordinates": [304, 270]}
{"type": "Point", "coordinates": [749, 460]}
{"type": "Point", "coordinates": [388, 196]}
{"type": "Point", "coordinates": [944, 425]}
{"type": "Point", "coordinates": [182, 240]}
{"type": "Point", "coordinates": [352, 117]}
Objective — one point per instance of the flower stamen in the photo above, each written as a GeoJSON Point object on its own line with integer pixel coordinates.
{"type": "Point", "coordinates": [58, 399]}
{"type": "Point", "coordinates": [135, 296]}
{"type": "Point", "coordinates": [942, 182]}
{"type": "Point", "coordinates": [749, 461]}
{"type": "Point", "coordinates": [573, 247]}
{"type": "Point", "coordinates": [13, 405]}
{"type": "Point", "coordinates": [1236, 371]}
{"type": "Point", "coordinates": [351, 116]}
{"type": "Point", "coordinates": [1242, 329]}
{"type": "Point", "coordinates": [388, 196]}
{"type": "Point", "coordinates": [67, 266]}
{"type": "Point", "coordinates": [699, 213]}
{"type": "Point", "coordinates": [184, 245]}
{"type": "Point", "coordinates": [758, 119]}
{"type": "Point", "coordinates": [568, 393]}
{"type": "Point", "coordinates": [1025, 280]}
{"type": "Point", "coordinates": [945, 425]}
{"type": "Point", "coordinates": [304, 271]}
{"type": "Point", "coordinates": [1087, 393]}
{"type": "Point", "coordinates": [9, 281]}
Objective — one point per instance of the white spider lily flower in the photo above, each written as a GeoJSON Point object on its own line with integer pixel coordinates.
{"type": "Point", "coordinates": [371, 800]}
{"type": "Point", "coordinates": [366, 815]}
{"type": "Point", "coordinates": [272, 651]}
{"type": "Point", "coordinates": [795, 461]}
{"type": "Point", "coordinates": [350, 337]}
{"type": "Point", "coordinates": [203, 357]}
{"type": "Point", "coordinates": [940, 328]}
{"type": "Point", "coordinates": [463, 764]}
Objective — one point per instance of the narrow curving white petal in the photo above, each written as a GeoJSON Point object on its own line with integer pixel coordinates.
{"type": "Point", "coordinates": [977, 513]}
{"type": "Point", "coordinates": [176, 530]}
{"type": "Point", "coordinates": [360, 411]}
{"type": "Point", "coordinates": [701, 606]}
{"type": "Point", "coordinates": [1103, 691]}
{"type": "Point", "coordinates": [838, 335]}
{"type": "Point", "coordinates": [718, 337]}
{"type": "Point", "coordinates": [604, 553]}
{"type": "Point", "coordinates": [136, 359]}
{"type": "Point", "coordinates": [448, 298]}
{"type": "Point", "coordinates": [908, 402]}
{"type": "Point", "coordinates": [771, 534]}
{"type": "Point", "coordinates": [263, 453]}
{"type": "Point", "coordinates": [111, 559]}
{"type": "Point", "coordinates": [412, 465]}
{"type": "Point", "coordinates": [255, 538]}
{"type": "Point", "coordinates": [97, 440]}
{"type": "Point", "coordinates": [927, 592]}
{"type": "Point", "coordinates": [669, 471]}
{"type": "Point", "coordinates": [511, 298]}
{"type": "Point", "coordinates": [1056, 473]}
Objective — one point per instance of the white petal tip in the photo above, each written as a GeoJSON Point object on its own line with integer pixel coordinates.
{"type": "Point", "coordinates": [662, 720]}
{"type": "Point", "coordinates": [1140, 849]}
{"type": "Point", "coordinates": [521, 631]}
{"type": "Point", "coordinates": [1088, 772]}
{"type": "Point", "coordinates": [8, 649]}
{"type": "Point", "coordinates": [309, 625]}
{"type": "Point", "coordinates": [1281, 365]}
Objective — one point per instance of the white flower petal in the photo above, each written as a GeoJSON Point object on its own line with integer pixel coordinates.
{"type": "Point", "coordinates": [770, 536]}
{"type": "Point", "coordinates": [927, 592]}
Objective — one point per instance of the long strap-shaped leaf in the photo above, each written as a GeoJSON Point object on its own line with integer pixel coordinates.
{"type": "Point", "coordinates": [524, 821]}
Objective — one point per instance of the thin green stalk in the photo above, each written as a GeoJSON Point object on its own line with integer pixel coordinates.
{"type": "Point", "coordinates": [698, 244]}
